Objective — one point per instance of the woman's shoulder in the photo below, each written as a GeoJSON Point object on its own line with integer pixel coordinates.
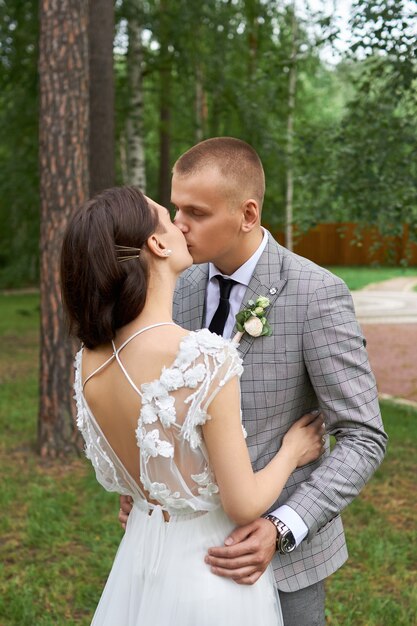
{"type": "Point", "coordinates": [205, 343]}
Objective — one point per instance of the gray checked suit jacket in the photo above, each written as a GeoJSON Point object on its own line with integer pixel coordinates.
{"type": "Point", "coordinates": [314, 358]}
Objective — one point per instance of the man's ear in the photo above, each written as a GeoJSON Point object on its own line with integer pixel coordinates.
{"type": "Point", "coordinates": [250, 215]}
{"type": "Point", "coordinates": [157, 247]}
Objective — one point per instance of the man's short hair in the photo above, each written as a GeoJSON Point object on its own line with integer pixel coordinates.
{"type": "Point", "coordinates": [235, 160]}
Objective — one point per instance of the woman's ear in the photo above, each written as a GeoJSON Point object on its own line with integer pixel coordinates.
{"type": "Point", "coordinates": [250, 215]}
{"type": "Point", "coordinates": [157, 247]}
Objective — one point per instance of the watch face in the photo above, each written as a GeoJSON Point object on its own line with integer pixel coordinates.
{"type": "Point", "coordinates": [288, 543]}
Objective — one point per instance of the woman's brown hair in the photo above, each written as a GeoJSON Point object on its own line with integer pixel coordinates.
{"type": "Point", "coordinates": [99, 292]}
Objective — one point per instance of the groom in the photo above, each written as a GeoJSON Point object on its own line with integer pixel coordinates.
{"type": "Point", "coordinates": [315, 358]}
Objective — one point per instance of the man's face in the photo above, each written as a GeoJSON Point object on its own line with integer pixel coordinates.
{"type": "Point", "coordinates": [208, 217]}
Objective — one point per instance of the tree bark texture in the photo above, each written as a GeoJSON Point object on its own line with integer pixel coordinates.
{"type": "Point", "coordinates": [102, 148]}
{"type": "Point", "coordinates": [134, 128]}
{"type": "Point", "coordinates": [63, 72]}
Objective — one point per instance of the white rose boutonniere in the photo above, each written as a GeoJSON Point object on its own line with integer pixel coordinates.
{"type": "Point", "coordinates": [252, 319]}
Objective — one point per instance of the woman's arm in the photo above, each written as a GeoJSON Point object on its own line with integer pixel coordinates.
{"type": "Point", "coordinates": [245, 495]}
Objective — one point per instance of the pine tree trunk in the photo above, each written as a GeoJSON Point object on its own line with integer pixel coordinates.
{"type": "Point", "coordinates": [134, 128]}
{"type": "Point", "coordinates": [101, 149]}
{"type": "Point", "coordinates": [63, 72]}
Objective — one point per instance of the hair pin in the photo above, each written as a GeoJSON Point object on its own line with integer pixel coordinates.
{"type": "Point", "coordinates": [127, 256]}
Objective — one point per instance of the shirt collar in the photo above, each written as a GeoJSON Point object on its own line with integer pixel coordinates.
{"type": "Point", "coordinates": [243, 274]}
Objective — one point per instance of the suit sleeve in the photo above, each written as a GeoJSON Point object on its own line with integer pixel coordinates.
{"type": "Point", "coordinates": [339, 370]}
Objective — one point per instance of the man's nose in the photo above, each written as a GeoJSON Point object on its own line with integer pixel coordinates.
{"type": "Point", "coordinates": [179, 223]}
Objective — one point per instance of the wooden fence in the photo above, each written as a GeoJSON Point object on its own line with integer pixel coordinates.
{"type": "Point", "coordinates": [338, 244]}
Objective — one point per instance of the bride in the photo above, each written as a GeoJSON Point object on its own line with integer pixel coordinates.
{"type": "Point", "coordinates": [159, 410]}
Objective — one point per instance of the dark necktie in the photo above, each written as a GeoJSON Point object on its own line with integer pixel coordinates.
{"type": "Point", "coordinates": [218, 322]}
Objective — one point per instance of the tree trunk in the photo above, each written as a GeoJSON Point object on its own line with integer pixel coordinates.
{"type": "Point", "coordinates": [134, 128]}
{"type": "Point", "coordinates": [63, 145]}
{"type": "Point", "coordinates": [101, 148]}
{"type": "Point", "coordinates": [292, 85]}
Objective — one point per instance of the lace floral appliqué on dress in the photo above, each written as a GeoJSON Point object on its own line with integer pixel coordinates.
{"type": "Point", "coordinates": [174, 408]}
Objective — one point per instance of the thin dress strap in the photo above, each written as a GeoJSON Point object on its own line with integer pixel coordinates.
{"type": "Point", "coordinates": [96, 371]}
{"type": "Point", "coordinates": [124, 370]}
{"type": "Point", "coordinates": [115, 355]}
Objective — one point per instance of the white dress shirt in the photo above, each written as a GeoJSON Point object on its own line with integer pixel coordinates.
{"type": "Point", "coordinates": [242, 276]}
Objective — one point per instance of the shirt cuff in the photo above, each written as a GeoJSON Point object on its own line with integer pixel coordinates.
{"type": "Point", "coordinates": [294, 522]}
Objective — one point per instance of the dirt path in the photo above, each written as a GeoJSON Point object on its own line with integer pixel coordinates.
{"type": "Point", "coordinates": [392, 347]}
{"type": "Point", "coordinates": [406, 283]}
{"type": "Point", "coordinates": [392, 350]}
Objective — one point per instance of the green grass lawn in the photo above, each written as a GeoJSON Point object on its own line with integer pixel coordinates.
{"type": "Point", "coordinates": [359, 277]}
{"type": "Point", "coordinates": [59, 531]}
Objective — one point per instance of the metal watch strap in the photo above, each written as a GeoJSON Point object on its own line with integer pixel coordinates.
{"type": "Point", "coordinates": [282, 532]}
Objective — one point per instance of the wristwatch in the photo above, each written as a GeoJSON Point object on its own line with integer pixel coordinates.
{"type": "Point", "coordinates": [285, 539]}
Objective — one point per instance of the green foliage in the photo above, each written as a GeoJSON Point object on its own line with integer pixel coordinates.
{"type": "Point", "coordinates": [361, 165]}
{"type": "Point", "coordinates": [355, 136]}
{"type": "Point", "coordinates": [239, 54]}
{"type": "Point", "coordinates": [19, 196]}
{"type": "Point", "coordinates": [316, 152]}
{"type": "Point", "coordinates": [376, 174]}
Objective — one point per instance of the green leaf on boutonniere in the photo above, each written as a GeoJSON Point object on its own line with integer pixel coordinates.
{"type": "Point", "coordinates": [252, 318]}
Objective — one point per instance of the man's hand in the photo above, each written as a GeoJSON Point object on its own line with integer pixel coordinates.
{"type": "Point", "coordinates": [246, 554]}
{"type": "Point", "coordinates": [125, 508]}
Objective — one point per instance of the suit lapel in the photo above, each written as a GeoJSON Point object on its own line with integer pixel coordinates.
{"type": "Point", "coordinates": [265, 281]}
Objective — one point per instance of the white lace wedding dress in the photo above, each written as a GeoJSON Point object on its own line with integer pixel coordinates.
{"type": "Point", "coordinates": [159, 577]}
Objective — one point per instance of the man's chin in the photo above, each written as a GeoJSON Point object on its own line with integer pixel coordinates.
{"type": "Point", "coordinates": [193, 254]}
{"type": "Point", "coordinates": [196, 259]}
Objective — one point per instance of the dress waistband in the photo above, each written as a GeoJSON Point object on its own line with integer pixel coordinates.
{"type": "Point", "coordinates": [149, 508]}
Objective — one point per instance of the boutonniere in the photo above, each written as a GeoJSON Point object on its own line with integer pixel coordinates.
{"type": "Point", "coordinates": [252, 319]}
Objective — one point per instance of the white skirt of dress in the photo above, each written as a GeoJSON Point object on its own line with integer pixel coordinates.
{"type": "Point", "coordinates": [159, 577]}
